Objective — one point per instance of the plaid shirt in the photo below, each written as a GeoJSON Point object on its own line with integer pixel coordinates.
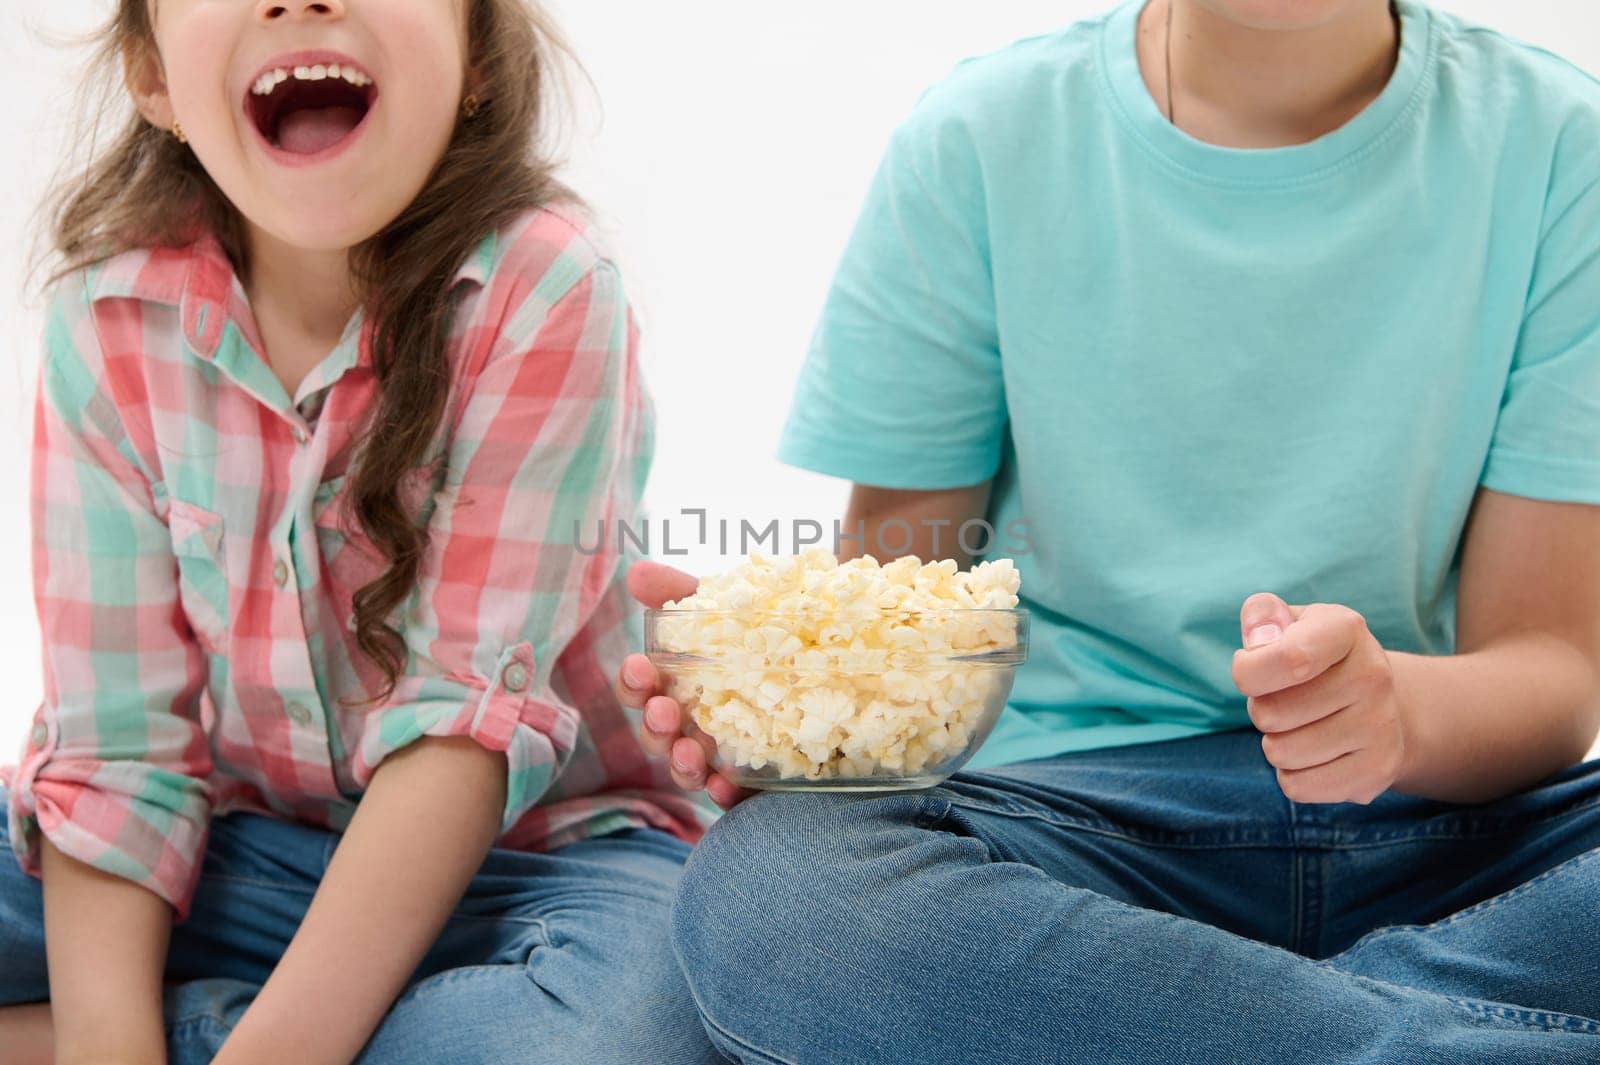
{"type": "Point", "coordinates": [194, 559]}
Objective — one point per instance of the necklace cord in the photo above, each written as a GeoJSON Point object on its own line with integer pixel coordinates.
{"type": "Point", "coordinates": [1168, 42]}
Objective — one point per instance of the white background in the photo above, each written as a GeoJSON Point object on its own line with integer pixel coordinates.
{"type": "Point", "coordinates": [727, 145]}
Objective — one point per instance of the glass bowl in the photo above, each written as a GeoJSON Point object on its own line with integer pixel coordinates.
{"type": "Point", "coordinates": [853, 700]}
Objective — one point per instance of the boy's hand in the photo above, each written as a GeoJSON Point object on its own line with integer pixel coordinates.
{"type": "Point", "coordinates": [1320, 689]}
{"type": "Point", "coordinates": [667, 732]}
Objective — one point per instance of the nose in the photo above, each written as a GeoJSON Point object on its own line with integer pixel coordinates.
{"type": "Point", "coordinates": [299, 9]}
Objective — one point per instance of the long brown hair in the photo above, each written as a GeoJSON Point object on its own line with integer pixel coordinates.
{"type": "Point", "coordinates": [148, 190]}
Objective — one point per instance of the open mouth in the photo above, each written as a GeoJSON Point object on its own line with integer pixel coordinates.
{"type": "Point", "coordinates": [306, 110]}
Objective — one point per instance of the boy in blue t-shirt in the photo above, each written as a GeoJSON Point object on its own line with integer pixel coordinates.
{"type": "Point", "coordinates": [1211, 297]}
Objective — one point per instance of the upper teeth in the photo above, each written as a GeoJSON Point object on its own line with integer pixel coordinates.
{"type": "Point", "coordinates": [272, 78]}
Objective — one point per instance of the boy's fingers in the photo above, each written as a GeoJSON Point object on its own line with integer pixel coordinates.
{"type": "Point", "coordinates": [1321, 637]}
{"type": "Point", "coordinates": [1263, 611]}
{"type": "Point", "coordinates": [653, 584]}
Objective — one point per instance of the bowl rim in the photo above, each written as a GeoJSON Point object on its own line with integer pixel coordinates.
{"type": "Point", "coordinates": [903, 661]}
{"type": "Point", "coordinates": [683, 612]}
{"type": "Point", "coordinates": [899, 658]}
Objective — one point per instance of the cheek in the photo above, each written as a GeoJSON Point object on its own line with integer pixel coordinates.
{"type": "Point", "coordinates": [423, 43]}
{"type": "Point", "coordinates": [197, 75]}
{"type": "Point", "coordinates": [422, 46]}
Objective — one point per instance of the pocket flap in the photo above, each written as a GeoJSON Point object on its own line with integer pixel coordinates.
{"type": "Point", "coordinates": [195, 530]}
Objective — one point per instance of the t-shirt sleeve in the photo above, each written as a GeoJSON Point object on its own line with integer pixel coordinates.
{"type": "Point", "coordinates": [1546, 443]}
{"type": "Point", "coordinates": [901, 387]}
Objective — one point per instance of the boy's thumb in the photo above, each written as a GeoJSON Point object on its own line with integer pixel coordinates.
{"type": "Point", "coordinates": [1262, 619]}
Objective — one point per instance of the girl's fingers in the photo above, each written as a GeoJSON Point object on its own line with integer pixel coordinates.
{"type": "Point", "coordinates": [688, 763]}
{"type": "Point", "coordinates": [690, 751]}
{"type": "Point", "coordinates": [724, 792]}
{"type": "Point", "coordinates": [661, 726]}
{"type": "Point", "coordinates": [653, 584]}
{"type": "Point", "coordinates": [707, 744]}
{"type": "Point", "coordinates": [636, 681]}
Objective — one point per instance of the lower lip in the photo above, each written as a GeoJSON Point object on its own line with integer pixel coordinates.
{"type": "Point", "coordinates": [328, 154]}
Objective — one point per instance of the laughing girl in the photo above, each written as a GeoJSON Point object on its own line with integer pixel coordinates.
{"type": "Point", "coordinates": [328, 765]}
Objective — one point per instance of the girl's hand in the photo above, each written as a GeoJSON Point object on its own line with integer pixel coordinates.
{"type": "Point", "coordinates": [667, 732]}
{"type": "Point", "coordinates": [1321, 691]}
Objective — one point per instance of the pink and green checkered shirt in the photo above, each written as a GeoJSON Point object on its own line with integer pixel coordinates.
{"type": "Point", "coordinates": [194, 561]}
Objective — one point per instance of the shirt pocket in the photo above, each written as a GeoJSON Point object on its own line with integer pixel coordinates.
{"type": "Point", "coordinates": [200, 547]}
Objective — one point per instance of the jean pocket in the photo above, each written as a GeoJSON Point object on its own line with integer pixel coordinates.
{"type": "Point", "coordinates": [199, 543]}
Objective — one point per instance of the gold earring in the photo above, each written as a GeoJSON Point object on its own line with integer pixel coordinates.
{"type": "Point", "coordinates": [177, 131]}
{"type": "Point", "coordinates": [469, 105]}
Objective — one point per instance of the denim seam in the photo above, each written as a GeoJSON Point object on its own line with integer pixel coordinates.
{"type": "Point", "coordinates": [1269, 834]}
{"type": "Point", "coordinates": [491, 918]}
{"type": "Point", "coordinates": [204, 1017]}
{"type": "Point", "coordinates": [1297, 915]}
{"type": "Point", "coordinates": [445, 977]}
{"type": "Point", "coordinates": [1487, 1014]}
{"type": "Point", "coordinates": [248, 881]}
{"type": "Point", "coordinates": [656, 900]}
{"type": "Point", "coordinates": [1185, 841]}
{"type": "Point", "coordinates": [588, 893]}
{"type": "Point", "coordinates": [931, 816]}
{"type": "Point", "coordinates": [1501, 826]}
{"type": "Point", "coordinates": [716, 1029]}
{"type": "Point", "coordinates": [1471, 911]}
{"type": "Point", "coordinates": [1530, 1019]}
{"type": "Point", "coordinates": [1482, 1011]}
{"type": "Point", "coordinates": [1312, 895]}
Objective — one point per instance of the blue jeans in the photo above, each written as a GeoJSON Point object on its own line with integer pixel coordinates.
{"type": "Point", "coordinates": [1158, 903]}
{"type": "Point", "coordinates": [558, 957]}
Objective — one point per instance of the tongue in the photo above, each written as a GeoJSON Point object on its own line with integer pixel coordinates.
{"type": "Point", "coordinates": [311, 129]}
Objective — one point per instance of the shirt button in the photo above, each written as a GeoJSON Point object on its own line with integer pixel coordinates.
{"type": "Point", "coordinates": [515, 677]}
{"type": "Point", "coordinates": [280, 573]}
{"type": "Point", "coordinates": [40, 734]}
{"type": "Point", "coordinates": [300, 713]}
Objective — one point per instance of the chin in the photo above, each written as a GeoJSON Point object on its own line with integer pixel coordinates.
{"type": "Point", "coordinates": [311, 230]}
{"type": "Point", "coordinates": [342, 219]}
{"type": "Point", "coordinates": [1287, 14]}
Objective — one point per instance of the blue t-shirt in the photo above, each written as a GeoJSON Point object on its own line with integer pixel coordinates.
{"type": "Point", "coordinates": [1199, 372]}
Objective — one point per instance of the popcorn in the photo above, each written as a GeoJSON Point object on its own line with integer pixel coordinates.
{"type": "Point", "coordinates": [828, 670]}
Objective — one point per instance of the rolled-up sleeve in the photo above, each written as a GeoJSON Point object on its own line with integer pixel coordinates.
{"type": "Point", "coordinates": [114, 768]}
{"type": "Point", "coordinates": [551, 448]}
